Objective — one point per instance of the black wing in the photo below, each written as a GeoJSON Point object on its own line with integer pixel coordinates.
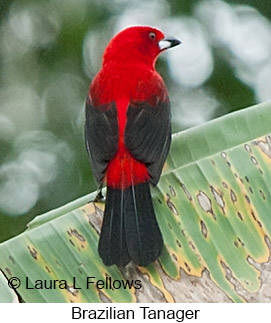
{"type": "Point", "coordinates": [148, 135]}
{"type": "Point", "coordinates": [101, 136]}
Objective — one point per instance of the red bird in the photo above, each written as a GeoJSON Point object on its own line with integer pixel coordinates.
{"type": "Point", "coordinates": [128, 135]}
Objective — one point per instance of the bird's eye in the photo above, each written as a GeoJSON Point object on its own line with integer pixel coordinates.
{"type": "Point", "coordinates": [152, 35]}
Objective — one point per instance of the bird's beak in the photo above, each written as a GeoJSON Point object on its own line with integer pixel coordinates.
{"type": "Point", "coordinates": [168, 42]}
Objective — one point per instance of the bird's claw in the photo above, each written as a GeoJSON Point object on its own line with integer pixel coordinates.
{"type": "Point", "coordinates": [99, 197]}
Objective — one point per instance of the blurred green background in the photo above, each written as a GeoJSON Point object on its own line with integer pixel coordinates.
{"type": "Point", "coordinates": [49, 52]}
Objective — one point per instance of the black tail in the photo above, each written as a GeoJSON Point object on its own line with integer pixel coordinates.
{"type": "Point", "coordinates": [130, 230]}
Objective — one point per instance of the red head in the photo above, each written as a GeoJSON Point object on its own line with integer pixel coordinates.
{"type": "Point", "coordinates": [137, 45]}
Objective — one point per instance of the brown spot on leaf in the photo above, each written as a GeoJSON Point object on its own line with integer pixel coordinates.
{"type": "Point", "coordinates": [255, 219]}
{"type": "Point", "coordinates": [192, 245]}
{"type": "Point", "coordinates": [240, 216]}
{"type": "Point", "coordinates": [265, 146]}
{"type": "Point", "coordinates": [228, 274]}
{"type": "Point", "coordinates": [74, 232]}
{"type": "Point", "coordinates": [71, 242]}
{"type": "Point", "coordinates": [225, 185]}
{"type": "Point", "coordinates": [82, 266]}
{"type": "Point", "coordinates": [172, 191]}
{"type": "Point", "coordinates": [247, 199]}
{"type": "Point", "coordinates": [233, 196]}
{"type": "Point", "coordinates": [48, 269]}
{"type": "Point", "coordinates": [174, 257]}
{"type": "Point", "coordinates": [186, 191]}
{"type": "Point", "coordinates": [254, 160]}
{"type": "Point", "coordinates": [11, 259]}
{"type": "Point", "coordinates": [253, 215]}
{"type": "Point", "coordinates": [224, 155]}
{"type": "Point", "coordinates": [59, 265]}
{"type": "Point", "coordinates": [171, 205]}
{"type": "Point", "coordinates": [187, 267]}
{"type": "Point", "coordinates": [8, 271]}
{"type": "Point", "coordinates": [262, 194]}
{"type": "Point", "coordinates": [33, 252]}
{"type": "Point", "coordinates": [251, 261]}
{"type": "Point", "coordinates": [72, 290]}
{"type": "Point", "coordinates": [247, 148]}
{"type": "Point", "coordinates": [205, 203]}
{"type": "Point", "coordinates": [179, 244]}
{"type": "Point", "coordinates": [242, 243]}
{"type": "Point", "coordinates": [218, 198]}
{"type": "Point", "coordinates": [204, 230]}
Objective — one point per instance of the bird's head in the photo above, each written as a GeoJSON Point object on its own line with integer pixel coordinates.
{"type": "Point", "coordinates": [137, 45]}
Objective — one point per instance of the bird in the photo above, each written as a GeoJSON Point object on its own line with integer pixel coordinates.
{"type": "Point", "coordinates": [127, 137]}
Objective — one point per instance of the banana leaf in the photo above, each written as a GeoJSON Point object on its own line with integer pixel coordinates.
{"type": "Point", "coordinates": [213, 205]}
{"type": "Point", "coordinates": [7, 294]}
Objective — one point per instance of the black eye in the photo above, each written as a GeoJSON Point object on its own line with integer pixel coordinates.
{"type": "Point", "coordinates": [152, 35]}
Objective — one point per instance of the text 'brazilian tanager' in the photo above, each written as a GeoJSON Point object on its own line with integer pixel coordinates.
{"type": "Point", "coordinates": [128, 135]}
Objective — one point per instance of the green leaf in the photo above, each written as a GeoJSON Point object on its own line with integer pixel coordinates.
{"type": "Point", "coordinates": [7, 294]}
{"type": "Point", "coordinates": [213, 206]}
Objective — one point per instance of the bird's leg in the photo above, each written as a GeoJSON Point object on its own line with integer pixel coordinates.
{"type": "Point", "coordinates": [99, 197]}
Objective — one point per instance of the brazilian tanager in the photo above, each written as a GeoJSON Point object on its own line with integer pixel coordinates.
{"type": "Point", "coordinates": [128, 136]}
